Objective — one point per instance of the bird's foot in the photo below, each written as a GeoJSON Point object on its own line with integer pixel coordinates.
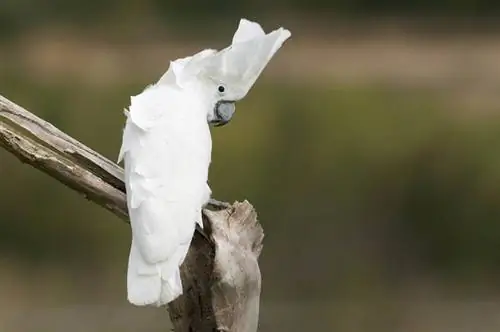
{"type": "Point", "coordinates": [218, 205]}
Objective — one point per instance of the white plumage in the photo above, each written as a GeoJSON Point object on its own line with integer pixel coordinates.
{"type": "Point", "coordinates": [166, 149]}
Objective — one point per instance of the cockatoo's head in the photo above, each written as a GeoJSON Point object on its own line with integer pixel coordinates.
{"type": "Point", "coordinates": [221, 78]}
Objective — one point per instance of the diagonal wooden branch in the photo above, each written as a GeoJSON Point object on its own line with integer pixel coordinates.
{"type": "Point", "coordinates": [221, 276]}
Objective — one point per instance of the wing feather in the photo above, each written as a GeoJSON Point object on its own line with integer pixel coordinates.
{"type": "Point", "coordinates": [166, 155]}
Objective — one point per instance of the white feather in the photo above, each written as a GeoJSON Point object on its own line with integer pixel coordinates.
{"type": "Point", "coordinates": [247, 30]}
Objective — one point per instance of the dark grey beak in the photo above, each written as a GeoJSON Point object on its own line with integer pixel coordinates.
{"type": "Point", "coordinates": [223, 112]}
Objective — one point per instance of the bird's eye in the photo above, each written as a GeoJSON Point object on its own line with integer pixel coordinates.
{"type": "Point", "coordinates": [221, 88]}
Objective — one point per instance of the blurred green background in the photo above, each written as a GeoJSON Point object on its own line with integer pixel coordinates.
{"type": "Point", "coordinates": [369, 147]}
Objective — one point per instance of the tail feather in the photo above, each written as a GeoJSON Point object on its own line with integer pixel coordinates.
{"type": "Point", "coordinates": [154, 284]}
{"type": "Point", "coordinates": [171, 288]}
{"type": "Point", "coordinates": [143, 282]}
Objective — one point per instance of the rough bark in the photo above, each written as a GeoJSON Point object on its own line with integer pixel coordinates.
{"type": "Point", "coordinates": [221, 276]}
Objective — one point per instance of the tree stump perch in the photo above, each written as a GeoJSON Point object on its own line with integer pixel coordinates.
{"type": "Point", "coordinates": [230, 287]}
{"type": "Point", "coordinates": [220, 275]}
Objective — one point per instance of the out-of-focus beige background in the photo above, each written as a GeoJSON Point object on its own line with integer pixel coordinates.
{"type": "Point", "coordinates": [370, 147]}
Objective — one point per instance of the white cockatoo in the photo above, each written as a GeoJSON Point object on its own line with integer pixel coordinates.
{"type": "Point", "coordinates": [166, 150]}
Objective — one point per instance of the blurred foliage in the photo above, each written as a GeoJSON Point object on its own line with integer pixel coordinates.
{"type": "Point", "coordinates": [24, 15]}
{"type": "Point", "coordinates": [356, 186]}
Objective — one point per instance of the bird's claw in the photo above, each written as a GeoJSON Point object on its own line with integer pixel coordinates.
{"type": "Point", "coordinates": [218, 205]}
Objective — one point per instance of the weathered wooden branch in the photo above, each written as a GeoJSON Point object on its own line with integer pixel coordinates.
{"type": "Point", "coordinates": [221, 276]}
